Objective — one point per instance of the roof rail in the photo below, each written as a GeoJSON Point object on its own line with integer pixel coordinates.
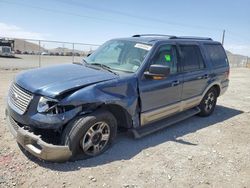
{"type": "Point", "coordinates": [152, 35]}
{"type": "Point", "coordinates": [191, 38]}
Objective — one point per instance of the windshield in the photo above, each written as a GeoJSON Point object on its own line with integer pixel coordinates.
{"type": "Point", "coordinates": [120, 55]}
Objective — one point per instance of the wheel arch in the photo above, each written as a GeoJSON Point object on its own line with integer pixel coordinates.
{"type": "Point", "coordinates": [123, 118]}
{"type": "Point", "coordinates": [215, 85]}
{"type": "Point", "coordinates": [218, 89]}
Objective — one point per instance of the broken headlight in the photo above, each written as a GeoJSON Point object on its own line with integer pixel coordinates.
{"type": "Point", "coordinates": [46, 104]}
{"type": "Point", "coordinates": [51, 106]}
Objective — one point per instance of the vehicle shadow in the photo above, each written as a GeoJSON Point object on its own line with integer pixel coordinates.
{"type": "Point", "coordinates": [126, 147]}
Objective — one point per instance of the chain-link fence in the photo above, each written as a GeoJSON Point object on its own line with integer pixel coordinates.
{"type": "Point", "coordinates": [29, 53]}
{"type": "Point", "coordinates": [238, 61]}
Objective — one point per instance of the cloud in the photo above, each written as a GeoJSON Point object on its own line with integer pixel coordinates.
{"type": "Point", "coordinates": [241, 49]}
{"type": "Point", "coordinates": [13, 31]}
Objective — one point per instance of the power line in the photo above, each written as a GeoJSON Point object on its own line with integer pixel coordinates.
{"type": "Point", "coordinates": [77, 15]}
{"type": "Point", "coordinates": [238, 36]}
{"type": "Point", "coordinates": [52, 10]}
{"type": "Point", "coordinates": [111, 11]}
{"type": "Point", "coordinates": [105, 19]}
{"type": "Point", "coordinates": [54, 41]}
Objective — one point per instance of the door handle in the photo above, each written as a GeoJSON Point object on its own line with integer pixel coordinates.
{"type": "Point", "coordinates": [206, 76]}
{"type": "Point", "coordinates": [175, 83]}
{"type": "Point", "coordinates": [203, 77]}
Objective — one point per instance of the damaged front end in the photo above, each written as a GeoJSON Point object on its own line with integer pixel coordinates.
{"type": "Point", "coordinates": [39, 128]}
{"type": "Point", "coordinates": [40, 132]}
{"type": "Point", "coordinates": [35, 145]}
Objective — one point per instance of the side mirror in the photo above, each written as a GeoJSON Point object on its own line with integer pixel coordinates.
{"type": "Point", "coordinates": [157, 72]}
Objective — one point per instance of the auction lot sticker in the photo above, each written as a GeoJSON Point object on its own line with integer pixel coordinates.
{"type": "Point", "coordinates": [143, 46]}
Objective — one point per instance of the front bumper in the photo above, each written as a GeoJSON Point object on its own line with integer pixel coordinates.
{"type": "Point", "coordinates": [35, 145]}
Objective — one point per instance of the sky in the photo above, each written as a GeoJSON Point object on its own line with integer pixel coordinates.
{"type": "Point", "coordinates": [96, 21]}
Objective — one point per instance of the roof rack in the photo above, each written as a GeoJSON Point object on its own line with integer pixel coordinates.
{"type": "Point", "coordinates": [191, 38]}
{"type": "Point", "coordinates": [173, 37]}
{"type": "Point", "coordinates": [152, 35]}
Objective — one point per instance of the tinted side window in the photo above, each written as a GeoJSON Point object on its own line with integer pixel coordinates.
{"type": "Point", "coordinates": [191, 58]}
{"type": "Point", "coordinates": [166, 55]}
{"type": "Point", "coordinates": [216, 54]}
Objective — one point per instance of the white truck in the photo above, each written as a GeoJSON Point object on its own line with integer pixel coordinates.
{"type": "Point", "coordinates": [6, 51]}
{"type": "Point", "coordinates": [6, 48]}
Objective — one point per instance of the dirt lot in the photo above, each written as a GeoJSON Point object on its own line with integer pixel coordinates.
{"type": "Point", "coordinates": [198, 152]}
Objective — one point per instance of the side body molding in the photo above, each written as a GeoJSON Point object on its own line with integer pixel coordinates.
{"type": "Point", "coordinates": [164, 112]}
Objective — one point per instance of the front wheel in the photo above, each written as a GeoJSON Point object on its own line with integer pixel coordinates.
{"type": "Point", "coordinates": [208, 103]}
{"type": "Point", "coordinates": [90, 135]}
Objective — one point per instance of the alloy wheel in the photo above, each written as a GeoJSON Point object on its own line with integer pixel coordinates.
{"type": "Point", "coordinates": [96, 138]}
{"type": "Point", "coordinates": [209, 101]}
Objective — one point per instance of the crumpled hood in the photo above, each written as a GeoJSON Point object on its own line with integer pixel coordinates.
{"type": "Point", "coordinates": [55, 80]}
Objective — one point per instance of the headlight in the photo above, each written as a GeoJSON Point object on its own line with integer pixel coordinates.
{"type": "Point", "coordinates": [45, 104]}
{"type": "Point", "coordinates": [51, 106]}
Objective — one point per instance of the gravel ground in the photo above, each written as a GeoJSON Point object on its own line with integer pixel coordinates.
{"type": "Point", "coordinates": [198, 152]}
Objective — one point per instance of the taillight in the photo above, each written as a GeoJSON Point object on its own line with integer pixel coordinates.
{"type": "Point", "coordinates": [227, 73]}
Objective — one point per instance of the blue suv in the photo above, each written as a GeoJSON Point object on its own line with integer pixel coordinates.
{"type": "Point", "coordinates": [142, 84]}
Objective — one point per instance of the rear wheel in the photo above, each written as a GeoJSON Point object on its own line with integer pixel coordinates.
{"type": "Point", "coordinates": [90, 135]}
{"type": "Point", "coordinates": [208, 103]}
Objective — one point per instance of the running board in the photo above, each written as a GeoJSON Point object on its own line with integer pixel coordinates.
{"type": "Point", "coordinates": [153, 127]}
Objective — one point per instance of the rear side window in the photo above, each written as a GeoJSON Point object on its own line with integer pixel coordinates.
{"type": "Point", "coordinates": [216, 54]}
{"type": "Point", "coordinates": [191, 58]}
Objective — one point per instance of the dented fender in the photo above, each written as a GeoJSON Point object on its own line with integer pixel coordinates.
{"type": "Point", "coordinates": [122, 92]}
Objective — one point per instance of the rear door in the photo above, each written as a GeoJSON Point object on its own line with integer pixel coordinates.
{"type": "Point", "coordinates": [195, 72]}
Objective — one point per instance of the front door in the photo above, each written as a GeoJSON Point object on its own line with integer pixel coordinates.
{"type": "Point", "coordinates": [160, 98]}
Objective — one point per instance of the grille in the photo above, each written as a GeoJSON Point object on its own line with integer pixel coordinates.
{"type": "Point", "coordinates": [6, 50]}
{"type": "Point", "coordinates": [19, 98]}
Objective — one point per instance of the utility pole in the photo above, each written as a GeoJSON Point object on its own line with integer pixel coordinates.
{"type": "Point", "coordinates": [248, 63]}
{"type": "Point", "coordinates": [73, 53]}
{"type": "Point", "coordinates": [223, 37]}
{"type": "Point", "coordinates": [39, 60]}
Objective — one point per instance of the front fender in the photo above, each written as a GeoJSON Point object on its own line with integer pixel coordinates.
{"type": "Point", "coordinates": [122, 92]}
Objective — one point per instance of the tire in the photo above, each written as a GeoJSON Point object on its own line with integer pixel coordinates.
{"type": "Point", "coordinates": [208, 103]}
{"type": "Point", "coordinates": [90, 135]}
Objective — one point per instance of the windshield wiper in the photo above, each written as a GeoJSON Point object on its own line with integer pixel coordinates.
{"type": "Point", "coordinates": [104, 67]}
{"type": "Point", "coordinates": [84, 61]}
{"type": "Point", "coordinates": [77, 63]}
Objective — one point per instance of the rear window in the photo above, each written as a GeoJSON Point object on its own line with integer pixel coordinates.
{"type": "Point", "coordinates": [216, 54]}
{"type": "Point", "coordinates": [191, 58]}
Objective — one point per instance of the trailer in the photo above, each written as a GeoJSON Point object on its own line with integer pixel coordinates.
{"type": "Point", "coordinates": [7, 47]}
